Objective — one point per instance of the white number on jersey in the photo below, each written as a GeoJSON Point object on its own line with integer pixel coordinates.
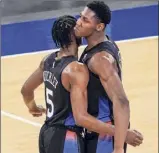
{"type": "Point", "coordinates": [50, 111]}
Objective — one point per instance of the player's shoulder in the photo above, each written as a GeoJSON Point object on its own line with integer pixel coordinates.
{"type": "Point", "coordinates": [78, 72]}
{"type": "Point", "coordinates": [77, 67]}
{"type": "Point", "coordinates": [102, 57]}
{"type": "Point", "coordinates": [101, 62]}
{"type": "Point", "coordinates": [43, 61]}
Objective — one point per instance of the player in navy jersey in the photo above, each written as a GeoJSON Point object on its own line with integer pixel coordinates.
{"type": "Point", "coordinates": [107, 100]}
{"type": "Point", "coordinates": [65, 81]}
{"type": "Point", "coordinates": [58, 71]}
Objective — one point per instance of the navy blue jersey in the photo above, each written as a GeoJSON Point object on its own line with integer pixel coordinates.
{"type": "Point", "coordinates": [56, 96]}
{"type": "Point", "coordinates": [99, 104]}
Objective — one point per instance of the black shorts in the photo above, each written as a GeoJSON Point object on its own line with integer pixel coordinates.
{"type": "Point", "coordinates": [94, 143]}
{"type": "Point", "coordinates": [57, 139]}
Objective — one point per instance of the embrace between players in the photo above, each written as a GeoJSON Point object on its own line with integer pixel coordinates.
{"type": "Point", "coordinates": [87, 110]}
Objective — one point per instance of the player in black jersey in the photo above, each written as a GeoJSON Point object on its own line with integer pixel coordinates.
{"type": "Point", "coordinates": [65, 82]}
{"type": "Point", "coordinates": [58, 71]}
{"type": "Point", "coordinates": [106, 96]}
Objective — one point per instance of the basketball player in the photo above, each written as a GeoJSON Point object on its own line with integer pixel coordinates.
{"type": "Point", "coordinates": [106, 96]}
{"type": "Point", "coordinates": [65, 82]}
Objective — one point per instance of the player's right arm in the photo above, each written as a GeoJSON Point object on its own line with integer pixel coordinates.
{"type": "Point", "coordinates": [78, 79]}
{"type": "Point", "coordinates": [103, 65]}
{"type": "Point", "coordinates": [27, 90]}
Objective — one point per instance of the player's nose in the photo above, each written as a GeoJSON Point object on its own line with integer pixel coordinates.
{"type": "Point", "coordinates": [78, 22]}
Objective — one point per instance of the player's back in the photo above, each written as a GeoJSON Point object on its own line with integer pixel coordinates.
{"type": "Point", "coordinates": [56, 96]}
{"type": "Point", "coordinates": [99, 104]}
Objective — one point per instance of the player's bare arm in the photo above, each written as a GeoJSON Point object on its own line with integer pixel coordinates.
{"type": "Point", "coordinates": [78, 77]}
{"type": "Point", "coordinates": [27, 91]}
{"type": "Point", "coordinates": [78, 91]}
{"type": "Point", "coordinates": [103, 64]}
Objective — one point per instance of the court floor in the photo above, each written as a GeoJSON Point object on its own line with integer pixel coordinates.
{"type": "Point", "coordinates": [20, 130]}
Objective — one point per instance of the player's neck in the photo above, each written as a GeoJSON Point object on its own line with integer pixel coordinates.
{"type": "Point", "coordinates": [95, 39]}
{"type": "Point", "coordinates": [70, 51]}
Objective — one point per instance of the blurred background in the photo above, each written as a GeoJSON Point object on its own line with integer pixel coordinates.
{"type": "Point", "coordinates": [38, 16]}
{"type": "Point", "coordinates": [13, 8]}
{"type": "Point", "coordinates": [26, 39]}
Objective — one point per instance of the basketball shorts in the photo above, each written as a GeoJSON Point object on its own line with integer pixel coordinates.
{"type": "Point", "coordinates": [95, 143]}
{"type": "Point", "coordinates": [57, 139]}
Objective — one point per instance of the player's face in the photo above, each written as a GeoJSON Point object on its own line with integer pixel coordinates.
{"type": "Point", "coordinates": [86, 24]}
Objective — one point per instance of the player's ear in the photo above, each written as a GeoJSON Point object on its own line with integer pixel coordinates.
{"type": "Point", "coordinates": [100, 27]}
{"type": "Point", "coordinates": [72, 35]}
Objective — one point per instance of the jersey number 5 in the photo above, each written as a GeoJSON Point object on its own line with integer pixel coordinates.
{"type": "Point", "coordinates": [50, 110]}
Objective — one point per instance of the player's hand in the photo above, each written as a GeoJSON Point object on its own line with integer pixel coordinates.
{"type": "Point", "coordinates": [37, 111]}
{"type": "Point", "coordinates": [134, 138]}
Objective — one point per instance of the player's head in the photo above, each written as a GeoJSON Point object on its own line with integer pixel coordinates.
{"type": "Point", "coordinates": [94, 18]}
{"type": "Point", "coordinates": [63, 32]}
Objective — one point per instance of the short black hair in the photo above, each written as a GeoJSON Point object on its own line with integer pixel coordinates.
{"type": "Point", "coordinates": [101, 10]}
{"type": "Point", "coordinates": [62, 30]}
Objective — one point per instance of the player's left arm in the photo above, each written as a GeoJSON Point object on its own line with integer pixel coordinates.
{"type": "Point", "coordinates": [27, 90]}
{"type": "Point", "coordinates": [103, 65]}
{"type": "Point", "coordinates": [78, 79]}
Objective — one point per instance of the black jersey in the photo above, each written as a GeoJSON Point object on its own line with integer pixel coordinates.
{"type": "Point", "coordinates": [56, 96]}
{"type": "Point", "coordinates": [99, 104]}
